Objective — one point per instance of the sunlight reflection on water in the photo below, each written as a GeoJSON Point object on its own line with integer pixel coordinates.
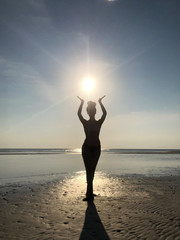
{"type": "Point", "coordinates": [39, 168]}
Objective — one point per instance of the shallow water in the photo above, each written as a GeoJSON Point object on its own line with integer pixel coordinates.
{"type": "Point", "coordinates": [145, 164]}
{"type": "Point", "coordinates": [48, 166]}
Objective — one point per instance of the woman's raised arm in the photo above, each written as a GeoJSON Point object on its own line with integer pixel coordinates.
{"type": "Point", "coordinates": [103, 109]}
{"type": "Point", "coordinates": [79, 113]}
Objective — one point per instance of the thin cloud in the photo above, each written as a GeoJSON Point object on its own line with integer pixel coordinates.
{"type": "Point", "coordinates": [144, 130]}
{"type": "Point", "coordinates": [17, 71]}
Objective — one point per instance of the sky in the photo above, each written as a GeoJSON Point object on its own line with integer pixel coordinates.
{"type": "Point", "coordinates": [129, 47]}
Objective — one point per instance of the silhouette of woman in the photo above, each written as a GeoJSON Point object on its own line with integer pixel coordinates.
{"type": "Point", "coordinates": [91, 148]}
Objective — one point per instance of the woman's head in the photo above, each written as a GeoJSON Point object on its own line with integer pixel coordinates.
{"type": "Point", "coordinates": [91, 108]}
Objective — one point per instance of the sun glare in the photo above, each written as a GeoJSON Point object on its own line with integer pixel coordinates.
{"type": "Point", "coordinates": [88, 84]}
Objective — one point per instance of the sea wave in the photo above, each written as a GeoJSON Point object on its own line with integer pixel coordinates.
{"type": "Point", "coordinates": [142, 151]}
{"type": "Point", "coordinates": [32, 151]}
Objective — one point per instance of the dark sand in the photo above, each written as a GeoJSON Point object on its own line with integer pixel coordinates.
{"type": "Point", "coordinates": [125, 208]}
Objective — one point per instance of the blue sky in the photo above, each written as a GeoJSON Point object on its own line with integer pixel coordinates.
{"type": "Point", "coordinates": [129, 47]}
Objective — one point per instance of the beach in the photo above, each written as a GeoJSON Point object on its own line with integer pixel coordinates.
{"type": "Point", "coordinates": [127, 206]}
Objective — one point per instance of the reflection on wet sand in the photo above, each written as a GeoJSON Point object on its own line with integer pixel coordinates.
{"type": "Point", "coordinates": [104, 185]}
{"type": "Point", "coordinates": [93, 227]}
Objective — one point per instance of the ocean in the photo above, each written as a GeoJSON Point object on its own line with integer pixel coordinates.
{"type": "Point", "coordinates": [19, 166]}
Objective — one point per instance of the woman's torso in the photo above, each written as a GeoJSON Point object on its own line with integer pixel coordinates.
{"type": "Point", "coordinates": [92, 130]}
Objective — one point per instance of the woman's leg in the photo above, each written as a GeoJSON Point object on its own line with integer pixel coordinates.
{"type": "Point", "coordinates": [86, 153]}
{"type": "Point", "coordinates": [89, 191]}
{"type": "Point", "coordinates": [90, 158]}
{"type": "Point", "coordinates": [91, 171]}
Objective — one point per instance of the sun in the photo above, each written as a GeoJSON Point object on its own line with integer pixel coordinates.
{"type": "Point", "coordinates": [88, 84]}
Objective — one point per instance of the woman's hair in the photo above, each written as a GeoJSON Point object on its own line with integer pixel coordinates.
{"type": "Point", "coordinates": [91, 106]}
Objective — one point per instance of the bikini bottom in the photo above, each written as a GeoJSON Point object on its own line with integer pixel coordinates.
{"type": "Point", "coordinates": [91, 148]}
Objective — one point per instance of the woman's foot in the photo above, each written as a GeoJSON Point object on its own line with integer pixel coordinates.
{"type": "Point", "coordinates": [88, 198]}
{"type": "Point", "coordinates": [94, 195]}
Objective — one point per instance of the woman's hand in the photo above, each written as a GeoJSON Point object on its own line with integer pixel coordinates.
{"type": "Point", "coordinates": [100, 99]}
{"type": "Point", "coordinates": [82, 100]}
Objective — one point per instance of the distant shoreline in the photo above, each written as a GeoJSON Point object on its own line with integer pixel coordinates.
{"type": "Point", "coordinates": [35, 151]}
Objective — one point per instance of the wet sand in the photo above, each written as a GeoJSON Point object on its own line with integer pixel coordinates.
{"type": "Point", "coordinates": [135, 207]}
